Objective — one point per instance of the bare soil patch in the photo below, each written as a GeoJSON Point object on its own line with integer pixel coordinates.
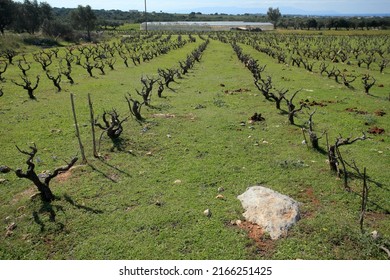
{"type": "Point", "coordinates": [264, 245]}
{"type": "Point", "coordinates": [376, 130]}
{"type": "Point", "coordinates": [355, 110]}
{"type": "Point", "coordinates": [380, 113]}
{"type": "Point", "coordinates": [27, 193]}
{"type": "Point", "coordinates": [240, 90]}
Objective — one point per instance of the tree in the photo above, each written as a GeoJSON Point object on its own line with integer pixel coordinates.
{"type": "Point", "coordinates": [41, 184]}
{"type": "Point", "coordinates": [311, 23]}
{"type": "Point", "coordinates": [31, 16]}
{"type": "Point", "coordinates": [333, 156]}
{"type": "Point", "coordinates": [274, 15]}
{"type": "Point", "coordinates": [46, 11]}
{"type": "Point", "coordinates": [113, 127]}
{"type": "Point", "coordinates": [368, 81]}
{"type": "Point", "coordinates": [28, 86]}
{"type": "Point", "coordinates": [7, 10]}
{"type": "Point", "coordinates": [56, 28]}
{"type": "Point", "coordinates": [292, 110]}
{"type": "Point", "coordinates": [84, 18]}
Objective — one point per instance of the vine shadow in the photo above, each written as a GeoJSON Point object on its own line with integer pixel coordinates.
{"type": "Point", "coordinates": [81, 207]}
{"type": "Point", "coordinates": [47, 208]}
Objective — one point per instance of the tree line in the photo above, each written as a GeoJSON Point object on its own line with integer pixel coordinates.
{"type": "Point", "coordinates": [32, 16]}
{"type": "Point", "coordinates": [336, 23]}
{"type": "Point", "coordinates": [326, 22]}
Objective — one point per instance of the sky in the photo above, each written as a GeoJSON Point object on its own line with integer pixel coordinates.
{"type": "Point", "coordinates": [242, 6]}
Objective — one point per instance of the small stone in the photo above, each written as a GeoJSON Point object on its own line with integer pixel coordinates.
{"type": "Point", "coordinates": [375, 235]}
{"type": "Point", "coordinates": [169, 136]}
{"type": "Point", "coordinates": [221, 189]}
{"type": "Point", "coordinates": [3, 181]}
{"type": "Point", "coordinates": [4, 169]}
{"type": "Point", "coordinates": [235, 222]}
{"type": "Point", "coordinates": [26, 236]}
{"type": "Point", "coordinates": [44, 175]}
{"type": "Point", "coordinates": [220, 196]}
{"type": "Point", "coordinates": [11, 227]}
{"type": "Point", "coordinates": [177, 181]}
{"type": "Point", "coordinates": [32, 197]}
{"type": "Point", "coordinates": [8, 233]}
{"type": "Point", "coordinates": [207, 213]}
{"type": "Point", "coordinates": [149, 153]}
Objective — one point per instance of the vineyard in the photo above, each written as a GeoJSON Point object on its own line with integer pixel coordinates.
{"type": "Point", "coordinates": [137, 147]}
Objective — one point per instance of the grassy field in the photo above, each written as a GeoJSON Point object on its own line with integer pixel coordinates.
{"type": "Point", "coordinates": [146, 200]}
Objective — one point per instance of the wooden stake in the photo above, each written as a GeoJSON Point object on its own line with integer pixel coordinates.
{"type": "Point", "coordinates": [84, 159]}
{"type": "Point", "coordinates": [95, 154]}
{"type": "Point", "coordinates": [364, 200]}
{"type": "Point", "coordinates": [304, 136]}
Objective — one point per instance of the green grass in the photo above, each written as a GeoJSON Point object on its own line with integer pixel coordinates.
{"type": "Point", "coordinates": [129, 27]}
{"type": "Point", "coordinates": [132, 206]}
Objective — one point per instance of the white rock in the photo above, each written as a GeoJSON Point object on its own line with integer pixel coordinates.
{"type": "Point", "coordinates": [221, 189]}
{"type": "Point", "coordinates": [207, 213]}
{"type": "Point", "coordinates": [274, 212]}
{"type": "Point", "coordinates": [11, 227]}
{"type": "Point", "coordinates": [236, 222]}
{"type": "Point", "coordinates": [375, 235]}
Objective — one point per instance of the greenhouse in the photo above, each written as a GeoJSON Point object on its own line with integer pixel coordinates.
{"type": "Point", "coordinates": [208, 26]}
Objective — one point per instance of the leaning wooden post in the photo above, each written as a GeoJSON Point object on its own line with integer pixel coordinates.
{"type": "Point", "coordinates": [304, 136]}
{"type": "Point", "coordinates": [84, 159]}
{"type": "Point", "coordinates": [364, 200]}
{"type": "Point", "coordinates": [95, 154]}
